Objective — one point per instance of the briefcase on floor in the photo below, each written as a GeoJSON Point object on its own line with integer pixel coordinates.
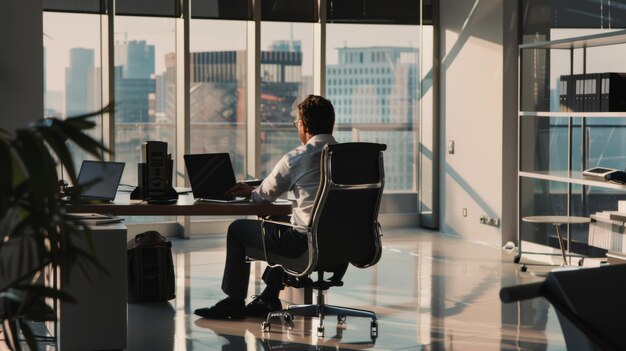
{"type": "Point", "coordinates": [150, 268]}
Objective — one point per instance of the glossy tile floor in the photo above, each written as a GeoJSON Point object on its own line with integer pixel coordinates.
{"type": "Point", "coordinates": [429, 291]}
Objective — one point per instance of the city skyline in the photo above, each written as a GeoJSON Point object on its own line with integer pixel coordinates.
{"type": "Point", "coordinates": [380, 81]}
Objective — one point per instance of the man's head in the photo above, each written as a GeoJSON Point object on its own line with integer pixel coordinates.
{"type": "Point", "coordinates": [316, 115]}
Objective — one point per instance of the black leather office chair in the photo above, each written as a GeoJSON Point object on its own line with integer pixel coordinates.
{"type": "Point", "coordinates": [589, 302]}
{"type": "Point", "coordinates": [343, 230]}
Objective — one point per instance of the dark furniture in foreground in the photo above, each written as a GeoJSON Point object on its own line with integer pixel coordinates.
{"type": "Point", "coordinates": [590, 304]}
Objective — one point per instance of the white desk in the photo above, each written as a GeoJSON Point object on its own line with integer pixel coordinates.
{"type": "Point", "coordinates": [98, 319]}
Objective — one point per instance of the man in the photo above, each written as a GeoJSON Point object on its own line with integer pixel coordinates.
{"type": "Point", "coordinates": [297, 171]}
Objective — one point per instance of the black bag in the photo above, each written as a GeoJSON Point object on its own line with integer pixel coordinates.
{"type": "Point", "coordinates": [150, 268]}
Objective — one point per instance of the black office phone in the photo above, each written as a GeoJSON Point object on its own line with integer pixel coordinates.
{"type": "Point", "coordinates": [616, 177]}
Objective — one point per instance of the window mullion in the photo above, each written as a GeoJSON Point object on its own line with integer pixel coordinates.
{"type": "Point", "coordinates": [253, 106]}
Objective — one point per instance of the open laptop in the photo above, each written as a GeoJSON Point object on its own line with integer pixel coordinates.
{"type": "Point", "coordinates": [211, 176]}
{"type": "Point", "coordinates": [99, 181]}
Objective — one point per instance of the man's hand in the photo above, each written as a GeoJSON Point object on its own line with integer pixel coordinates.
{"type": "Point", "coordinates": [240, 189]}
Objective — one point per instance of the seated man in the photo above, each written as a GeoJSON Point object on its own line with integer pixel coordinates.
{"type": "Point", "coordinates": [297, 171]}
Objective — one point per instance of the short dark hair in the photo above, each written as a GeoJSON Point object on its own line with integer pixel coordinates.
{"type": "Point", "coordinates": [318, 114]}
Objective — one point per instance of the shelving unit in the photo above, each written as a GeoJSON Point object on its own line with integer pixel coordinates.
{"type": "Point", "coordinates": [570, 176]}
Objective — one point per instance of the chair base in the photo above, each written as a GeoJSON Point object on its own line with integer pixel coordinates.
{"type": "Point", "coordinates": [320, 310]}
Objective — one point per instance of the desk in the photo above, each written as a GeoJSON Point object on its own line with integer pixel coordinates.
{"type": "Point", "coordinates": [557, 221]}
{"type": "Point", "coordinates": [185, 206]}
{"type": "Point", "coordinates": [98, 319]}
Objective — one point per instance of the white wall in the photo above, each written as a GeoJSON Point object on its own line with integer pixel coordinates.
{"type": "Point", "coordinates": [472, 116]}
{"type": "Point", "coordinates": [21, 63]}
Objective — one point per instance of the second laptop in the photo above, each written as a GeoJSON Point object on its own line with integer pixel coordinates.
{"type": "Point", "coordinates": [211, 176]}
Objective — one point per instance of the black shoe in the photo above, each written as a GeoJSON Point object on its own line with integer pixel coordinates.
{"type": "Point", "coordinates": [260, 307]}
{"type": "Point", "coordinates": [225, 309]}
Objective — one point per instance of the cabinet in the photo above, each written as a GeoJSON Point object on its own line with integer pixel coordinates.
{"type": "Point", "coordinates": [554, 147]}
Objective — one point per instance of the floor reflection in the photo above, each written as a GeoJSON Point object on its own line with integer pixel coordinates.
{"type": "Point", "coordinates": [429, 291]}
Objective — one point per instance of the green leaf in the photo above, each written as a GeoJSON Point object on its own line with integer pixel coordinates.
{"type": "Point", "coordinates": [55, 138]}
{"type": "Point", "coordinates": [81, 139]}
{"type": "Point", "coordinates": [35, 291]}
{"type": "Point", "coordinates": [39, 164]}
{"type": "Point", "coordinates": [14, 335]}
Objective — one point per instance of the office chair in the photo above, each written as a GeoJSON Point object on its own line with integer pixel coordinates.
{"type": "Point", "coordinates": [343, 230]}
{"type": "Point", "coordinates": [589, 302]}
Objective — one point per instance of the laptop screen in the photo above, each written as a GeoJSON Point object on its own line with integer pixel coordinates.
{"type": "Point", "coordinates": [100, 179]}
{"type": "Point", "coordinates": [210, 174]}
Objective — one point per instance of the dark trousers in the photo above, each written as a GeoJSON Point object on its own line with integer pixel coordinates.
{"type": "Point", "coordinates": [244, 233]}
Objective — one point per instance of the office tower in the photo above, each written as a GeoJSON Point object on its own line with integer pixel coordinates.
{"type": "Point", "coordinates": [374, 90]}
{"type": "Point", "coordinates": [218, 97]}
{"type": "Point", "coordinates": [135, 86]}
{"type": "Point", "coordinates": [81, 83]}
{"type": "Point", "coordinates": [135, 102]}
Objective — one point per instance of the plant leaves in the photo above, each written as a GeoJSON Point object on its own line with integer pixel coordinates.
{"type": "Point", "coordinates": [13, 330]}
{"type": "Point", "coordinates": [38, 163]}
{"type": "Point", "coordinates": [56, 140]}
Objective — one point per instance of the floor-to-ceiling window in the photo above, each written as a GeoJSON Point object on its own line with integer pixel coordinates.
{"type": "Point", "coordinates": [373, 82]}
{"type": "Point", "coordinates": [379, 76]}
{"type": "Point", "coordinates": [286, 78]}
{"type": "Point", "coordinates": [145, 87]}
{"type": "Point", "coordinates": [72, 69]}
{"type": "Point", "coordinates": [218, 77]}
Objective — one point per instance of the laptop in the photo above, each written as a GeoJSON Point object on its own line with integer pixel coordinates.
{"type": "Point", "coordinates": [99, 181]}
{"type": "Point", "coordinates": [211, 176]}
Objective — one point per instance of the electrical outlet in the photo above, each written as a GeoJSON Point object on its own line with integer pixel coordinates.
{"type": "Point", "coordinates": [484, 219]}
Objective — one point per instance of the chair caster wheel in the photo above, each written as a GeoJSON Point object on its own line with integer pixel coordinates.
{"type": "Point", "coordinates": [517, 258]}
{"type": "Point", "coordinates": [266, 327]}
{"type": "Point", "coordinates": [341, 319]}
{"type": "Point", "coordinates": [320, 332]}
{"type": "Point", "coordinates": [523, 268]}
{"type": "Point", "coordinates": [286, 318]}
{"type": "Point", "coordinates": [374, 329]}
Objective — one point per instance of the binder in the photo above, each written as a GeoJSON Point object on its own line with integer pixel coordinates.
{"type": "Point", "coordinates": [614, 93]}
{"type": "Point", "coordinates": [565, 91]}
{"type": "Point", "coordinates": [590, 93]}
{"type": "Point", "coordinates": [579, 93]}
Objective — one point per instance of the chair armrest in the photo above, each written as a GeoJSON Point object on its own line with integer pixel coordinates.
{"type": "Point", "coordinates": [286, 224]}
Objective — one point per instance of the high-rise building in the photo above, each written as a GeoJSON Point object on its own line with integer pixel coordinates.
{"type": "Point", "coordinates": [81, 83]}
{"type": "Point", "coordinates": [137, 58]}
{"type": "Point", "coordinates": [135, 84]}
{"type": "Point", "coordinates": [374, 90]}
{"type": "Point", "coordinates": [218, 100]}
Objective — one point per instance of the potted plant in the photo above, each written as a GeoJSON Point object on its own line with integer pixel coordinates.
{"type": "Point", "coordinates": [34, 232]}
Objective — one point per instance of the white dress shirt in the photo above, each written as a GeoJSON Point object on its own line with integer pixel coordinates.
{"type": "Point", "coordinates": [298, 171]}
